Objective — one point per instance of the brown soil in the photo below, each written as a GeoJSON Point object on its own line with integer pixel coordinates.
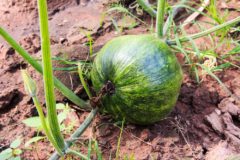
{"type": "Point", "coordinates": [204, 124]}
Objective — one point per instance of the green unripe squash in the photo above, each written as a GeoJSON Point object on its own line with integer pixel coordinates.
{"type": "Point", "coordinates": [145, 74]}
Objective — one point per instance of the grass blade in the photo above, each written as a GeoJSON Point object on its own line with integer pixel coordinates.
{"type": "Point", "coordinates": [89, 148]}
{"type": "Point", "coordinates": [80, 155]}
{"type": "Point", "coordinates": [206, 32]}
{"type": "Point", "coordinates": [83, 81]}
{"type": "Point", "coordinates": [119, 140]}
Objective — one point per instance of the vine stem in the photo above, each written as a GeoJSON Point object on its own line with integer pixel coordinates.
{"type": "Point", "coordinates": [206, 32]}
{"type": "Point", "coordinates": [80, 155]}
{"type": "Point", "coordinates": [170, 18]}
{"type": "Point", "coordinates": [160, 18]}
{"type": "Point", "coordinates": [48, 75]}
{"type": "Point", "coordinates": [147, 7]}
{"type": "Point", "coordinates": [77, 133]}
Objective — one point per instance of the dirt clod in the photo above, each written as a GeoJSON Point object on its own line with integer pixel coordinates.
{"type": "Point", "coordinates": [9, 98]}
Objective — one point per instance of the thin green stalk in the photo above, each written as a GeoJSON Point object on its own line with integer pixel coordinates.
{"type": "Point", "coordinates": [90, 41]}
{"type": "Point", "coordinates": [58, 84]}
{"type": "Point", "coordinates": [70, 151]}
{"type": "Point", "coordinates": [160, 18]}
{"type": "Point", "coordinates": [77, 133]}
{"type": "Point", "coordinates": [119, 140]}
{"type": "Point", "coordinates": [96, 147]}
{"type": "Point", "coordinates": [48, 75]}
{"type": "Point", "coordinates": [30, 87]}
{"type": "Point", "coordinates": [206, 32]}
{"type": "Point", "coordinates": [83, 81]}
{"type": "Point", "coordinates": [89, 148]}
{"type": "Point", "coordinates": [147, 7]}
{"type": "Point", "coordinates": [44, 125]}
{"type": "Point", "coordinates": [171, 16]}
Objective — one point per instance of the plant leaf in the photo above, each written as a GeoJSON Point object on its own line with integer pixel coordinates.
{"type": "Point", "coordinates": [16, 143]}
{"type": "Point", "coordinates": [235, 50]}
{"type": "Point", "coordinates": [61, 117]}
{"type": "Point", "coordinates": [33, 122]}
{"type": "Point", "coordinates": [222, 66]}
{"type": "Point", "coordinates": [6, 154]}
{"type": "Point", "coordinates": [60, 106]}
{"type": "Point", "coordinates": [15, 158]}
{"type": "Point", "coordinates": [33, 140]}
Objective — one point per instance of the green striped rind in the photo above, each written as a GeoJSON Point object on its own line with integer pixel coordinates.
{"type": "Point", "coordinates": [146, 75]}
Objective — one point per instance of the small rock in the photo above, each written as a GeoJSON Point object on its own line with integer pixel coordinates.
{"type": "Point", "coordinates": [83, 2]}
{"type": "Point", "coordinates": [231, 131]}
{"type": "Point", "coordinates": [220, 152]}
{"type": "Point", "coordinates": [6, 52]}
{"type": "Point", "coordinates": [63, 40]}
{"type": "Point", "coordinates": [218, 111]}
{"type": "Point", "coordinates": [145, 135]}
{"type": "Point", "coordinates": [227, 105]}
{"type": "Point", "coordinates": [216, 122]}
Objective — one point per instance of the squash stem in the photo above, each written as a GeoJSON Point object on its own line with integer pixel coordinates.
{"type": "Point", "coordinates": [160, 18]}
{"type": "Point", "coordinates": [58, 84]}
{"type": "Point", "coordinates": [147, 7]}
{"type": "Point", "coordinates": [77, 133]}
{"type": "Point", "coordinates": [48, 76]}
{"type": "Point", "coordinates": [176, 9]}
{"type": "Point", "coordinates": [206, 32]}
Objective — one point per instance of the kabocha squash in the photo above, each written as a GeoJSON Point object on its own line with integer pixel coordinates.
{"type": "Point", "coordinates": [145, 75]}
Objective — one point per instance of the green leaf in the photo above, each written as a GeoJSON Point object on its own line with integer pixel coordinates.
{"type": "Point", "coordinates": [33, 140]}
{"type": "Point", "coordinates": [60, 106]}
{"type": "Point", "coordinates": [6, 154]}
{"type": "Point", "coordinates": [62, 116]}
{"type": "Point", "coordinates": [15, 158]}
{"type": "Point", "coordinates": [33, 122]}
{"type": "Point", "coordinates": [235, 50]}
{"type": "Point", "coordinates": [16, 143]}
{"type": "Point", "coordinates": [222, 66]}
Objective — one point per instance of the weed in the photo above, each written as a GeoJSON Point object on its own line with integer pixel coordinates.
{"type": "Point", "coordinates": [13, 152]}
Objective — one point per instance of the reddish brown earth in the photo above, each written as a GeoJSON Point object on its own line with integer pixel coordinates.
{"type": "Point", "coordinates": [204, 124]}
